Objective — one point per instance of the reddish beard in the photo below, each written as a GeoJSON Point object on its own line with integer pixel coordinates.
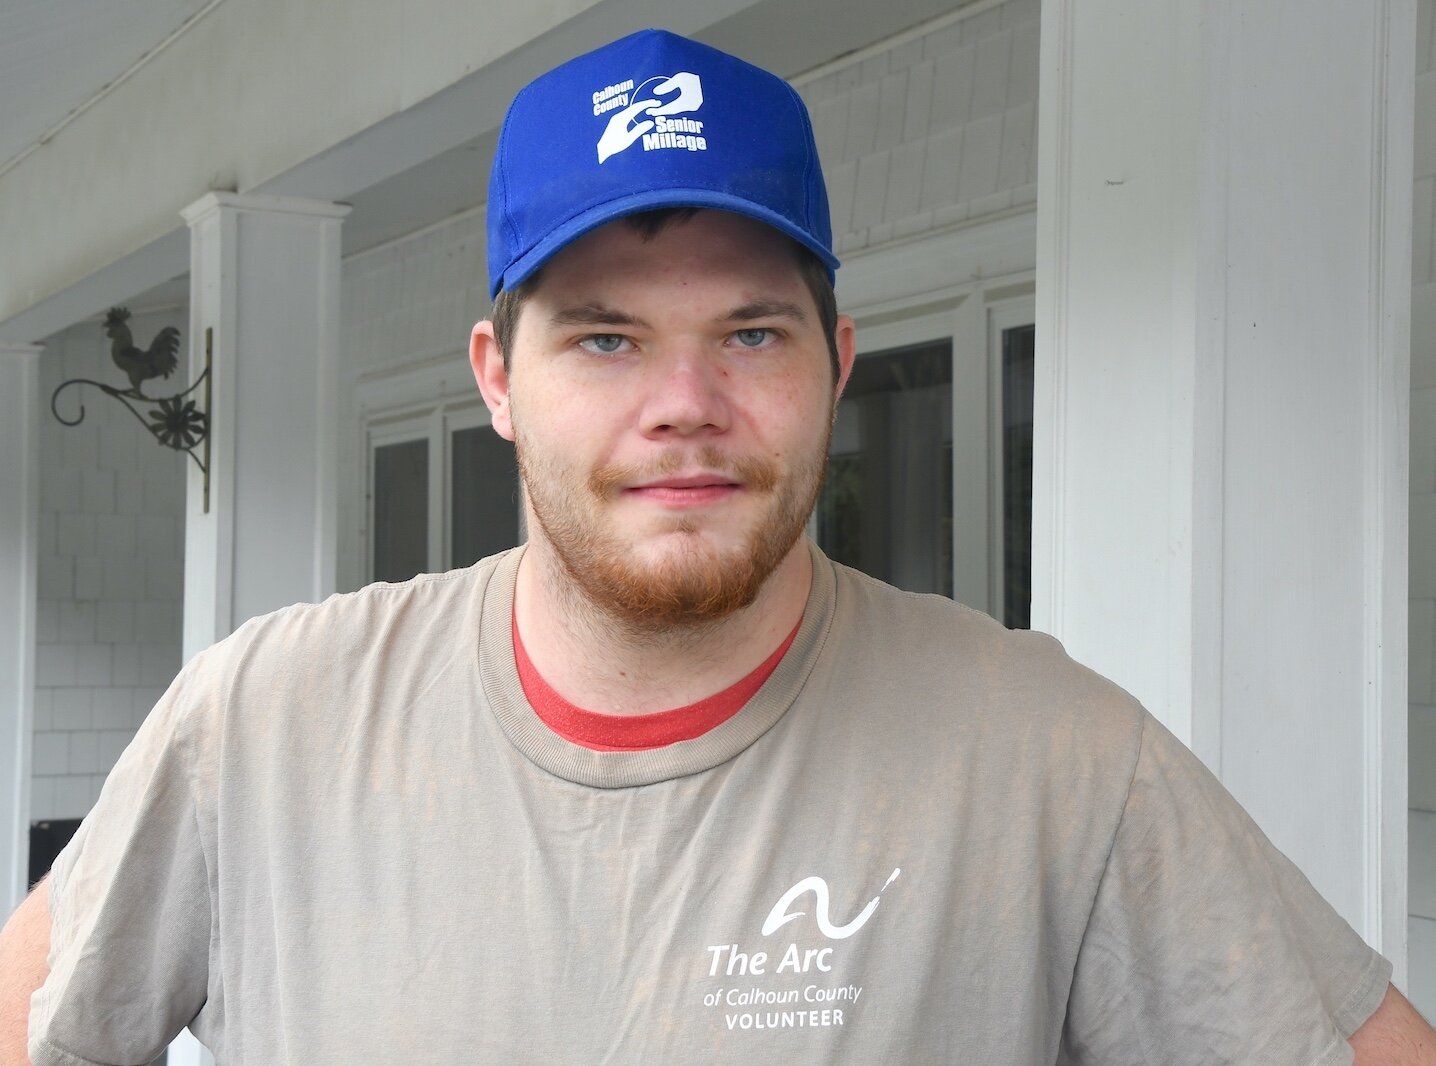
{"type": "Point", "coordinates": [695, 585]}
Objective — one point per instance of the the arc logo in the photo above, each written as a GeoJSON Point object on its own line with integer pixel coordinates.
{"type": "Point", "coordinates": [780, 916]}
{"type": "Point", "coordinates": [649, 113]}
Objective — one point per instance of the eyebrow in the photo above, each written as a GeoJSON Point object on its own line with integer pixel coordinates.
{"type": "Point", "coordinates": [599, 315]}
{"type": "Point", "coordinates": [595, 315]}
{"type": "Point", "coordinates": [766, 309]}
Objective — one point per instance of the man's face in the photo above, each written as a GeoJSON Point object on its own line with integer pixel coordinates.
{"type": "Point", "coordinates": [671, 400]}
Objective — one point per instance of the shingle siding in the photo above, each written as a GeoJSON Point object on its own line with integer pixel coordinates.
{"type": "Point", "coordinates": [111, 573]}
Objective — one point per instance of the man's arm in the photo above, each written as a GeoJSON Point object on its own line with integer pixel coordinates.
{"type": "Point", "coordinates": [1395, 1035]}
{"type": "Point", "coordinates": [24, 954]}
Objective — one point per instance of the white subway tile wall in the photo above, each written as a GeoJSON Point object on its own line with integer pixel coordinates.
{"type": "Point", "coordinates": [111, 572]}
{"type": "Point", "coordinates": [1422, 737]}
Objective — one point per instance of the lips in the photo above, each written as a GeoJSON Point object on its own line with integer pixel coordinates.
{"type": "Point", "coordinates": [694, 490]}
{"type": "Point", "coordinates": [695, 481]}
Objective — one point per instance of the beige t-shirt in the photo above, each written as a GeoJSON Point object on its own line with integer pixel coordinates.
{"type": "Point", "coordinates": [343, 836]}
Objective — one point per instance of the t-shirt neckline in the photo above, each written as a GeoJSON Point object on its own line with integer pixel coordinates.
{"type": "Point", "coordinates": [638, 732]}
{"type": "Point", "coordinates": [527, 732]}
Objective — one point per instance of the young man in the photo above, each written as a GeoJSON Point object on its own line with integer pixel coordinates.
{"type": "Point", "coordinates": [666, 785]}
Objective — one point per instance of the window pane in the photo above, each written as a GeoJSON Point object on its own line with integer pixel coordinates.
{"type": "Point", "coordinates": [886, 506]}
{"type": "Point", "coordinates": [1017, 345]}
{"type": "Point", "coordinates": [484, 490]}
{"type": "Point", "coordinates": [401, 510]}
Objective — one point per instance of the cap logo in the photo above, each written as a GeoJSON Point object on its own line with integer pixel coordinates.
{"type": "Point", "coordinates": [648, 112]}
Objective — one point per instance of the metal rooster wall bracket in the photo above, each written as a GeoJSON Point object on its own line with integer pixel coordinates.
{"type": "Point", "coordinates": [179, 421]}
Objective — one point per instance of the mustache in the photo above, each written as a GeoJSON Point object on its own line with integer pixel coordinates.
{"type": "Point", "coordinates": [750, 472]}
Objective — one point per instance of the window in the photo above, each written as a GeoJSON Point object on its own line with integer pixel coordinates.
{"type": "Point", "coordinates": [886, 507]}
{"type": "Point", "coordinates": [443, 492]}
{"type": "Point", "coordinates": [483, 494]}
{"type": "Point", "coordinates": [929, 482]}
{"type": "Point", "coordinates": [1016, 475]}
{"type": "Point", "coordinates": [401, 509]}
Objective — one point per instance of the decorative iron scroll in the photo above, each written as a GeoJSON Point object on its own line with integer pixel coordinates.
{"type": "Point", "coordinates": [177, 421]}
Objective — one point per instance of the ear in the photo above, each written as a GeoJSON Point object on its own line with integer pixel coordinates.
{"type": "Point", "coordinates": [847, 339]}
{"type": "Point", "coordinates": [492, 376]}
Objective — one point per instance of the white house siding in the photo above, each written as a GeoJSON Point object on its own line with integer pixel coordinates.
{"type": "Point", "coordinates": [922, 133]}
{"type": "Point", "coordinates": [110, 572]}
{"type": "Point", "coordinates": [931, 131]}
{"type": "Point", "coordinates": [1423, 530]}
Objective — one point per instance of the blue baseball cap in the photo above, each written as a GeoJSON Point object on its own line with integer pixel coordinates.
{"type": "Point", "coordinates": [652, 120]}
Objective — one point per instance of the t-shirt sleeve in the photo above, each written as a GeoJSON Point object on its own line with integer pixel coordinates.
{"type": "Point", "coordinates": [1205, 944]}
{"type": "Point", "coordinates": [130, 907]}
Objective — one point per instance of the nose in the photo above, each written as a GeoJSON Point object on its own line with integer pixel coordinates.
{"type": "Point", "coordinates": [687, 397]}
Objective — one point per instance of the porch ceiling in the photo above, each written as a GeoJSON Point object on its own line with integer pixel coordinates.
{"type": "Point", "coordinates": [57, 54]}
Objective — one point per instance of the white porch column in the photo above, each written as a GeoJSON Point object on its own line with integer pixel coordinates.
{"type": "Point", "coordinates": [264, 302]}
{"type": "Point", "coordinates": [20, 412]}
{"type": "Point", "coordinates": [264, 287]}
{"type": "Point", "coordinates": [1223, 282]}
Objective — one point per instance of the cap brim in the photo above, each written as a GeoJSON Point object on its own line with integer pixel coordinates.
{"type": "Point", "coordinates": [557, 239]}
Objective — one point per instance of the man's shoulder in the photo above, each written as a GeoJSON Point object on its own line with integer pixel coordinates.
{"type": "Point", "coordinates": [415, 610]}
{"type": "Point", "coordinates": [947, 636]}
{"type": "Point", "coordinates": [963, 666]}
{"type": "Point", "coordinates": [306, 670]}
{"type": "Point", "coordinates": [372, 604]}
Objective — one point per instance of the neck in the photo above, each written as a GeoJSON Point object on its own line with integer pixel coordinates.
{"type": "Point", "coordinates": [602, 663]}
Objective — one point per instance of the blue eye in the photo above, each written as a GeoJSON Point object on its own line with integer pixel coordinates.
{"type": "Point", "coordinates": [753, 338]}
{"type": "Point", "coordinates": [604, 343]}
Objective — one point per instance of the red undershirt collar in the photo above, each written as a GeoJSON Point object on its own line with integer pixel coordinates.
{"type": "Point", "coordinates": [637, 732]}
